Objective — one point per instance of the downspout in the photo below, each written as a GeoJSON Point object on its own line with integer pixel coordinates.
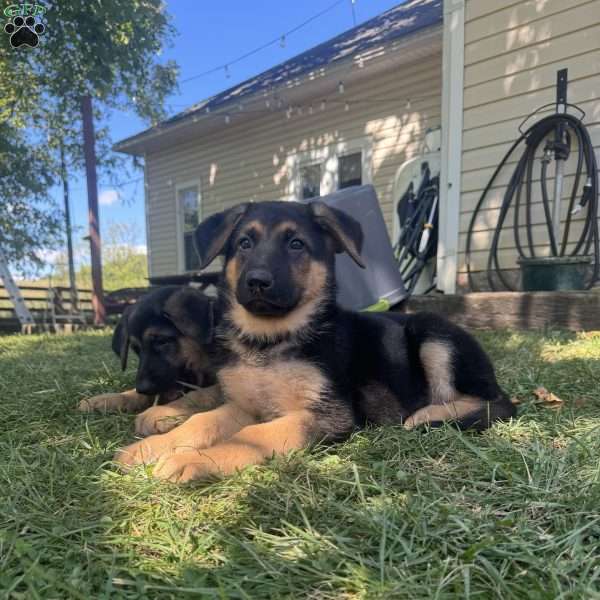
{"type": "Point", "coordinates": [452, 124]}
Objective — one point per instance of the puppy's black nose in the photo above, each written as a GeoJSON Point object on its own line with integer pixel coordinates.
{"type": "Point", "coordinates": [259, 280]}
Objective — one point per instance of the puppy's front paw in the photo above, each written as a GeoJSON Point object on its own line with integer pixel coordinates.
{"type": "Point", "coordinates": [144, 452]}
{"type": "Point", "coordinates": [183, 467]}
{"type": "Point", "coordinates": [105, 403]}
{"type": "Point", "coordinates": [159, 419]}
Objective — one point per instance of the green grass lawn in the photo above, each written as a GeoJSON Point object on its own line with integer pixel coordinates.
{"type": "Point", "coordinates": [512, 513]}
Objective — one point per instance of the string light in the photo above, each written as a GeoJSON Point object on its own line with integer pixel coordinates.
{"type": "Point", "coordinates": [282, 41]}
{"type": "Point", "coordinates": [361, 62]}
{"type": "Point", "coordinates": [341, 88]}
{"type": "Point", "coordinates": [227, 73]}
{"type": "Point", "coordinates": [310, 108]}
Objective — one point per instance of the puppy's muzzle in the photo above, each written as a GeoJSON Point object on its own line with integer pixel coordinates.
{"type": "Point", "coordinates": [258, 281]}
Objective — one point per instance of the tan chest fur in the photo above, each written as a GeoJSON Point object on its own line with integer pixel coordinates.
{"type": "Point", "coordinates": [266, 392]}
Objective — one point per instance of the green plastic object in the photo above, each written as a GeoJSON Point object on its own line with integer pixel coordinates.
{"type": "Point", "coordinates": [383, 305]}
{"type": "Point", "coordinates": [553, 273]}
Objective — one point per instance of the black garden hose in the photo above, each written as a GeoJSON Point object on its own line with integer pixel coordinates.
{"type": "Point", "coordinates": [520, 184]}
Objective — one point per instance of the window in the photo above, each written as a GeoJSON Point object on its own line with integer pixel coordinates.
{"type": "Point", "coordinates": [188, 199]}
{"type": "Point", "coordinates": [310, 181]}
{"type": "Point", "coordinates": [350, 170]}
{"type": "Point", "coordinates": [325, 169]}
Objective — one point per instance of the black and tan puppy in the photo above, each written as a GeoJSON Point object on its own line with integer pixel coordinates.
{"type": "Point", "coordinates": [297, 369]}
{"type": "Point", "coordinates": [171, 329]}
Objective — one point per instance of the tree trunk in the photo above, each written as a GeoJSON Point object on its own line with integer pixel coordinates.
{"type": "Point", "coordinates": [92, 189]}
{"type": "Point", "coordinates": [68, 231]}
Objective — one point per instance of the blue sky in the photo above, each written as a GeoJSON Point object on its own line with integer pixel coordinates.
{"type": "Point", "coordinates": [210, 34]}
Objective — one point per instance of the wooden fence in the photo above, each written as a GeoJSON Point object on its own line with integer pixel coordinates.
{"type": "Point", "coordinates": [38, 299]}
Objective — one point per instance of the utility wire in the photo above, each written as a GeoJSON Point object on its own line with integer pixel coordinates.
{"type": "Point", "coordinates": [280, 39]}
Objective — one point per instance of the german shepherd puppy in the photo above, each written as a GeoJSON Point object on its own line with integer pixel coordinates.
{"type": "Point", "coordinates": [296, 368]}
{"type": "Point", "coordinates": [171, 329]}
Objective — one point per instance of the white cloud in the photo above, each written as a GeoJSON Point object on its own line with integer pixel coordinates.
{"type": "Point", "coordinates": [108, 197]}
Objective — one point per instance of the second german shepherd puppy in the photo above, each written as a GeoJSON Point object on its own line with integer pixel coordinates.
{"type": "Point", "coordinates": [171, 329]}
{"type": "Point", "coordinates": [298, 369]}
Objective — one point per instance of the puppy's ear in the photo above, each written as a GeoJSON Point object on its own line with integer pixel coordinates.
{"type": "Point", "coordinates": [192, 314]}
{"type": "Point", "coordinates": [345, 231]}
{"type": "Point", "coordinates": [212, 235]}
{"type": "Point", "coordinates": [120, 339]}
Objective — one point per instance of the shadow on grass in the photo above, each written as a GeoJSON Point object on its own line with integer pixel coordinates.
{"type": "Point", "coordinates": [387, 514]}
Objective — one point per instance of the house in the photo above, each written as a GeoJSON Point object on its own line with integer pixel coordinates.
{"type": "Point", "coordinates": [357, 107]}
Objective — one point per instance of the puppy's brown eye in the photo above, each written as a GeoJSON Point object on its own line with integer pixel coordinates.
{"type": "Point", "coordinates": [296, 244]}
{"type": "Point", "coordinates": [245, 243]}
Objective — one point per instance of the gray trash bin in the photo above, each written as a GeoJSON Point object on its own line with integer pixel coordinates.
{"type": "Point", "coordinates": [379, 286]}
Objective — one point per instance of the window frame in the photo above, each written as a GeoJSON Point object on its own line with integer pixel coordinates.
{"type": "Point", "coordinates": [328, 157]}
{"type": "Point", "coordinates": [180, 221]}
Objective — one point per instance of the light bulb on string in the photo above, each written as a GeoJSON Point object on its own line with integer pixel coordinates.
{"type": "Point", "coordinates": [310, 109]}
{"type": "Point", "coordinates": [282, 41]}
{"type": "Point", "coordinates": [227, 73]}
{"type": "Point", "coordinates": [341, 88]}
{"type": "Point", "coordinates": [227, 119]}
{"type": "Point", "coordinates": [323, 104]}
{"type": "Point", "coordinates": [347, 106]}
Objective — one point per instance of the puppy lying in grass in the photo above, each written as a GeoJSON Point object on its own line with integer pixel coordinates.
{"type": "Point", "coordinates": [171, 329]}
{"type": "Point", "coordinates": [295, 368]}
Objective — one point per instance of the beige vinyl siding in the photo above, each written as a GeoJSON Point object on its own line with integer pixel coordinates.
{"type": "Point", "coordinates": [512, 53]}
{"type": "Point", "coordinates": [250, 161]}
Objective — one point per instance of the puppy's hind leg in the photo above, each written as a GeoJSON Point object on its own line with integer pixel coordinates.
{"type": "Point", "coordinates": [461, 382]}
{"type": "Point", "coordinates": [465, 412]}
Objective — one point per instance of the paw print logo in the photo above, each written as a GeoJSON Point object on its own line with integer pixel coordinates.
{"type": "Point", "coordinates": [24, 31]}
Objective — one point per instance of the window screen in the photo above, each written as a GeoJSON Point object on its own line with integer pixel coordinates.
{"type": "Point", "coordinates": [350, 170]}
{"type": "Point", "coordinates": [310, 178]}
{"type": "Point", "coordinates": [189, 203]}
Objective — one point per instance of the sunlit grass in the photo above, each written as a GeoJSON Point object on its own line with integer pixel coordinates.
{"type": "Point", "coordinates": [511, 513]}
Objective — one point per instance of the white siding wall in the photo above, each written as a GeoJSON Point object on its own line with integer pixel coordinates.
{"type": "Point", "coordinates": [250, 161]}
{"type": "Point", "coordinates": [513, 50]}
